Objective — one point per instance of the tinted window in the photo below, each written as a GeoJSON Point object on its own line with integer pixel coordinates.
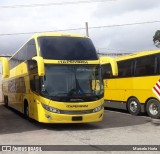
{"type": "Point", "coordinates": [22, 54]}
{"type": "Point", "coordinates": [22, 88]}
{"type": "Point", "coordinates": [37, 83]}
{"type": "Point", "coordinates": [67, 48]}
{"type": "Point", "coordinates": [158, 64]}
{"type": "Point", "coordinates": [25, 53]}
{"type": "Point", "coordinates": [32, 64]}
{"type": "Point", "coordinates": [106, 71]}
{"type": "Point", "coordinates": [65, 82]}
{"type": "Point", "coordinates": [31, 49]}
{"type": "Point", "coordinates": [145, 66]}
{"type": "Point", "coordinates": [125, 68]}
{"type": "Point", "coordinates": [32, 84]}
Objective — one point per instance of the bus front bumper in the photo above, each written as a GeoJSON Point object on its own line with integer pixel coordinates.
{"type": "Point", "coordinates": [49, 117]}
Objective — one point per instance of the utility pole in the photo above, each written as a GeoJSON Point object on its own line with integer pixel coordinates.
{"type": "Point", "coordinates": [87, 32]}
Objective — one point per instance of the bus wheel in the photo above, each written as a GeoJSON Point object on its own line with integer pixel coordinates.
{"type": "Point", "coordinates": [153, 108]}
{"type": "Point", "coordinates": [134, 106]}
{"type": "Point", "coordinates": [6, 101]}
{"type": "Point", "coordinates": [26, 110]}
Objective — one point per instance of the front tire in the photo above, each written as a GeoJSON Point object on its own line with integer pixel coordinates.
{"type": "Point", "coordinates": [133, 106]}
{"type": "Point", "coordinates": [153, 108]}
{"type": "Point", "coordinates": [26, 110]}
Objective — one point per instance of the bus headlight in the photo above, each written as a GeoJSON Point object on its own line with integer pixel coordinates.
{"type": "Point", "coordinates": [98, 108]}
{"type": "Point", "coordinates": [51, 109]}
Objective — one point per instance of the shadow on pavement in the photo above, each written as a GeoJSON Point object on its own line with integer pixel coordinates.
{"type": "Point", "coordinates": [12, 121]}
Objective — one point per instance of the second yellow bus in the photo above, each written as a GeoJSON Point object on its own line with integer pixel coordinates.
{"type": "Point", "coordinates": [137, 86]}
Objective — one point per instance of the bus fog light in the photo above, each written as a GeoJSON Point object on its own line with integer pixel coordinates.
{"type": "Point", "coordinates": [98, 108]}
{"type": "Point", "coordinates": [48, 116]}
{"type": "Point", "coordinates": [50, 109]}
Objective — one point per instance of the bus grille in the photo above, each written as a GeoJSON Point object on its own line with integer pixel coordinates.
{"type": "Point", "coordinates": [76, 112]}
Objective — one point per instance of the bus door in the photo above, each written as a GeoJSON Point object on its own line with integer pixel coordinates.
{"type": "Point", "coordinates": [35, 88]}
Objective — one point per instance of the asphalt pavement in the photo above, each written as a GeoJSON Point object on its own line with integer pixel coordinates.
{"type": "Point", "coordinates": [117, 128]}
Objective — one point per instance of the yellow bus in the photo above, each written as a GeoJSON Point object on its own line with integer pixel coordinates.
{"type": "Point", "coordinates": [137, 86]}
{"type": "Point", "coordinates": [55, 78]}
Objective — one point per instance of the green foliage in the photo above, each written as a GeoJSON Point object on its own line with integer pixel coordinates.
{"type": "Point", "coordinates": [156, 38]}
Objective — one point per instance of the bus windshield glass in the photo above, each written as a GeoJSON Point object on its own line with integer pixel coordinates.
{"type": "Point", "coordinates": [67, 48]}
{"type": "Point", "coordinates": [69, 83]}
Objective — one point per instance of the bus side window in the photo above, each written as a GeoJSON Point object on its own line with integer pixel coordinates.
{"type": "Point", "coordinates": [32, 83]}
{"type": "Point", "coordinates": [31, 50]}
{"type": "Point", "coordinates": [25, 53]}
{"type": "Point", "coordinates": [36, 83]}
{"type": "Point", "coordinates": [158, 64]}
{"type": "Point", "coordinates": [106, 71]}
{"type": "Point", "coordinates": [22, 85]}
{"type": "Point", "coordinates": [32, 66]}
{"type": "Point", "coordinates": [125, 68]}
{"type": "Point", "coordinates": [145, 66]}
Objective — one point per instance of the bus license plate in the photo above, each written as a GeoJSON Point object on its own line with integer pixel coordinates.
{"type": "Point", "coordinates": [77, 118]}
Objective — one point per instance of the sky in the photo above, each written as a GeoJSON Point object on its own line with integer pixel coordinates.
{"type": "Point", "coordinates": [129, 38]}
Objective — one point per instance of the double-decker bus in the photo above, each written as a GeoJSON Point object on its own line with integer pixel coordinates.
{"type": "Point", "coordinates": [137, 86]}
{"type": "Point", "coordinates": [55, 78]}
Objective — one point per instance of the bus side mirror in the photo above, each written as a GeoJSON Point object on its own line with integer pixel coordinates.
{"type": "Point", "coordinates": [40, 65]}
{"type": "Point", "coordinates": [112, 62]}
{"type": "Point", "coordinates": [5, 67]}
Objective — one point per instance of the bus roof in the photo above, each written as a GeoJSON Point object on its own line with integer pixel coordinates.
{"type": "Point", "coordinates": [137, 54]}
{"type": "Point", "coordinates": [57, 34]}
{"type": "Point", "coordinates": [50, 34]}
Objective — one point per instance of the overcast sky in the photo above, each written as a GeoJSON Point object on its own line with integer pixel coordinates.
{"type": "Point", "coordinates": [56, 17]}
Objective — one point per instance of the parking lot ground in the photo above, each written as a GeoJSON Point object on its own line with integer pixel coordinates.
{"type": "Point", "coordinates": [117, 128]}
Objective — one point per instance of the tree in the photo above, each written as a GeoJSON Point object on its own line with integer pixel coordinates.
{"type": "Point", "coordinates": [156, 39]}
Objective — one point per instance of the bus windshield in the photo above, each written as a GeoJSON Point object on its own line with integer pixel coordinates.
{"type": "Point", "coordinates": [67, 48]}
{"type": "Point", "coordinates": [69, 83]}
